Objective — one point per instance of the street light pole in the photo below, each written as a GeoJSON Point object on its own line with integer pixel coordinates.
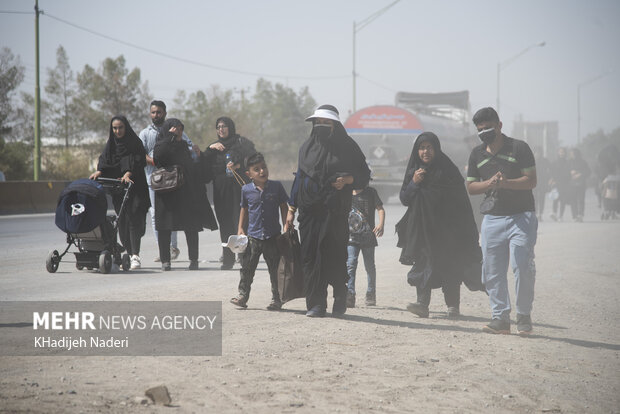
{"type": "Point", "coordinates": [594, 79]}
{"type": "Point", "coordinates": [503, 65]}
{"type": "Point", "coordinates": [356, 28]}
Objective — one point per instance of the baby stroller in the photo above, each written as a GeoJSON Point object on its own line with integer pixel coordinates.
{"type": "Point", "coordinates": [610, 193]}
{"type": "Point", "coordinates": [82, 214]}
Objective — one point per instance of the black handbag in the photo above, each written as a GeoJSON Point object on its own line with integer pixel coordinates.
{"type": "Point", "coordinates": [167, 179]}
{"type": "Point", "coordinates": [290, 274]}
{"type": "Point", "coordinates": [489, 202]}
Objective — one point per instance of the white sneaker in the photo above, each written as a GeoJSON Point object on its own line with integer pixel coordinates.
{"type": "Point", "coordinates": [174, 253]}
{"type": "Point", "coordinates": [135, 262]}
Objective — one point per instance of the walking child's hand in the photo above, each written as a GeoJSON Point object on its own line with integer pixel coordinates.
{"type": "Point", "coordinates": [290, 221]}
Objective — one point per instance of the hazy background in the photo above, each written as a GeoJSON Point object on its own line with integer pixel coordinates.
{"type": "Point", "coordinates": [416, 46]}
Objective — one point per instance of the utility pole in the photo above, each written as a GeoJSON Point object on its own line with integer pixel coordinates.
{"type": "Point", "coordinates": [582, 84]}
{"type": "Point", "coordinates": [37, 98]}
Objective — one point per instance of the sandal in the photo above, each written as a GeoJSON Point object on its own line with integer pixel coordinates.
{"type": "Point", "coordinates": [239, 301]}
{"type": "Point", "coordinates": [273, 306]}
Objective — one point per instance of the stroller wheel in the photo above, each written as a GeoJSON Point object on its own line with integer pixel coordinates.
{"type": "Point", "coordinates": [105, 261]}
{"type": "Point", "coordinates": [125, 262]}
{"type": "Point", "coordinates": [52, 261]}
{"type": "Point", "coordinates": [79, 266]}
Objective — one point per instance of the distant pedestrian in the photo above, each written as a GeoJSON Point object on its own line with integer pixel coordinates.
{"type": "Point", "coordinates": [363, 238]}
{"type": "Point", "coordinates": [560, 180]}
{"type": "Point", "coordinates": [226, 157]}
{"type": "Point", "coordinates": [504, 169]}
{"type": "Point", "coordinates": [543, 173]}
{"type": "Point", "coordinates": [579, 174]}
{"type": "Point", "coordinates": [438, 234]}
{"type": "Point", "coordinates": [331, 165]}
{"type": "Point", "coordinates": [262, 201]}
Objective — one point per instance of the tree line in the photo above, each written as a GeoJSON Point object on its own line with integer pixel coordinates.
{"type": "Point", "coordinates": [77, 107]}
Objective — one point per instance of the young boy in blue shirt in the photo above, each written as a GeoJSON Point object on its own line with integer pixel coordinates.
{"type": "Point", "coordinates": [260, 201]}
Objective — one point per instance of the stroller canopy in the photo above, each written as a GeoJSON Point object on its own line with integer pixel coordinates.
{"type": "Point", "coordinates": [82, 206]}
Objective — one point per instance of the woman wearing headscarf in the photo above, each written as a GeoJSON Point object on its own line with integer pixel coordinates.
{"type": "Point", "coordinates": [437, 234]}
{"type": "Point", "coordinates": [226, 157]}
{"type": "Point", "coordinates": [187, 208]}
{"type": "Point", "coordinates": [124, 158]}
{"type": "Point", "coordinates": [331, 164]}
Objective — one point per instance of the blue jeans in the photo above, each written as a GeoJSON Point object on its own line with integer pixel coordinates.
{"type": "Point", "coordinates": [173, 236]}
{"type": "Point", "coordinates": [504, 239]}
{"type": "Point", "coordinates": [369, 263]}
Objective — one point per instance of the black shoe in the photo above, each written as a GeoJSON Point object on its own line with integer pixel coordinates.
{"type": "Point", "coordinates": [497, 326]}
{"type": "Point", "coordinates": [371, 299]}
{"type": "Point", "coordinates": [193, 265]}
{"type": "Point", "coordinates": [350, 300]}
{"type": "Point", "coordinates": [226, 266]}
{"type": "Point", "coordinates": [274, 305]}
{"type": "Point", "coordinates": [453, 312]}
{"type": "Point", "coordinates": [524, 325]}
{"type": "Point", "coordinates": [418, 309]}
{"type": "Point", "coordinates": [340, 306]}
{"type": "Point", "coordinates": [165, 266]}
{"type": "Point", "coordinates": [316, 312]}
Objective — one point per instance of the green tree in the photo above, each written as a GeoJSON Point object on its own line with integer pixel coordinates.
{"type": "Point", "coordinates": [11, 75]}
{"type": "Point", "coordinates": [279, 113]}
{"type": "Point", "coordinates": [109, 91]}
{"type": "Point", "coordinates": [594, 143]}
{"type": "Point", "coordinates": [199, 111]}
{"type": "Point", "coordinates": [16, 160]}
{"type": "Point", "coordinates": [273, 118]}
{"type": "Point", "coordinates": [63, 115]}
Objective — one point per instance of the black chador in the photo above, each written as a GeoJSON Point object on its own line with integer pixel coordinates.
{"type": "Point", "coordinates": [119, 156]}
{"type": "Point", "coordinates": [227, 187]}
{"type": "Point", "coordinates": [323, 210]}
{"type": "Point", "coordinates": [438, 234]}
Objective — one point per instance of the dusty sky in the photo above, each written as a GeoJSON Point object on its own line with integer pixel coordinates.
{"type": "Point", "coordinates": [415, 46]}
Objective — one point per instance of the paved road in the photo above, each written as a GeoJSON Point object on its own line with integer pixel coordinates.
{"type": "Point", "coordinates": [381, 358]}
{"type": "Point", "coordinates": [26, 240]}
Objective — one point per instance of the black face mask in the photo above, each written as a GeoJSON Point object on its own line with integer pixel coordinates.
{"type": "Point", "coordinates": [322, 131]}
{"type": "Point", "coordinates": [487, 135]}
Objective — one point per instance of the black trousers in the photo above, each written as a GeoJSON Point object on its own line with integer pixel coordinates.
{"type": "Point", "coordinates": [131, 223]}
{"type": "Point", "coordinates": [451, 294]}
{"type": "Point", "coordinates": [249, 261]}
{"type": "Point", "coordinates": [163, 241]}
{"type": "Point", "coordinates": [226, 200]}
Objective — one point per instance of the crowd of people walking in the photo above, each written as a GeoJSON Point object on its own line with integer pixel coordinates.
{"type": "Point", "coordinates": [335, 210]}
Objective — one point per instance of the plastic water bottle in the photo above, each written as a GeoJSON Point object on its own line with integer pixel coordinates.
{"type": "Point", "coordinates": [229, 172]}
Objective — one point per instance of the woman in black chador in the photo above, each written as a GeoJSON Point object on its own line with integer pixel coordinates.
{"type": "Point", "coordinates": [186, 208]}
{"type": "Point", "coordinates": [331, 164]}
{"type": "Point", "coordinates": [437, 234]}
{"type": "Point", "coordinates": [124, 158]}
{"type": "Point", "coordinates": [226, 155]}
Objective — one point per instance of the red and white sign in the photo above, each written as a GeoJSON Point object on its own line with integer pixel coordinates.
{"type": "Point", "coordinates": [383, 119]}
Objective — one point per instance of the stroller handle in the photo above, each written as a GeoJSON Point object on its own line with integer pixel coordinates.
{"type": "Point", "coordinates": [114, 182]}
